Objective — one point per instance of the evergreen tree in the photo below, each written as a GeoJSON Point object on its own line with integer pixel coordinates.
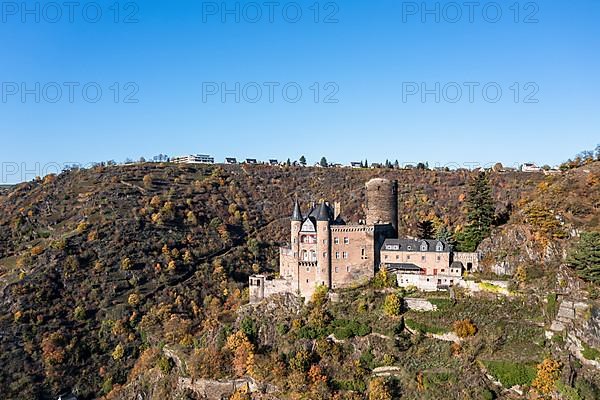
{"type": "Point", "coordinates": [585, 257]}
{"type": "Point", "coordinates": [444, 234]}
{"type": "Point", "coordinates": [323, 162]}
{"type": "Point", "coordinates": [366, 163]}
{"type": "Point", "coordinates": [425, 229]}
{"type": "Point", "coordinates": [396, 164]}
{"type": "Point", "coordinates": [302, 160]}
{"type": "Point", "coordinates": [288, 162]}
{"type": "Point", "coordinates": [480, 214]}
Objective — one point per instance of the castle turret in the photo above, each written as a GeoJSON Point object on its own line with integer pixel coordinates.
{"type": "Point", "coordinates": [323, 274]}
{"type": "Point", "coordinates": [382, 202]}
{"type": "Point", "coordinates": [296, 225]}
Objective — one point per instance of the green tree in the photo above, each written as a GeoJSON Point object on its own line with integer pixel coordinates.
{"type": "Point", "coordinates": [425, 229]}
{"type": "Point", "coordinates": [444, 234]}
{"type": "Point", "coordinates": [480, 213]}
{"type": "Point", "coordinates": [302, 160]}
{"type": "Point", "coordinates": [323, 162]}
{"type": "Point", "coordinates": [585, 257]}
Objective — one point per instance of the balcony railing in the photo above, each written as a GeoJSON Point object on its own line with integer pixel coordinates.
{"type": "Point", "coordinates": [308, 263]}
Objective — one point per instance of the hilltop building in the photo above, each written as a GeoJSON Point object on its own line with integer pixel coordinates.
{"type": "Point", "coordinates": [194, 159]}
{"type": "Point", "coordinates": [325, 250]}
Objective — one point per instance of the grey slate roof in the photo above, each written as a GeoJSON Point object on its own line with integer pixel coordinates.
{"type": "Point", "coordinates": [403, 267]}
{"type": "Point", "coordinates": [297, 214]}
{"type": "Point", "coordinates": [414, 245]}
{"type": "Point", "coordinates": [324, 213]}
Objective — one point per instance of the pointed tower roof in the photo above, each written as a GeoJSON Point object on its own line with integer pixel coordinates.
{"type": "Point", "coordinates": [323, 213]}
{"type": "Point", "coordinates": [297, 214]}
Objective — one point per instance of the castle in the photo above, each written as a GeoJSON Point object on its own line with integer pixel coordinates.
{"type": "Point", "coordinates": [326, 250]}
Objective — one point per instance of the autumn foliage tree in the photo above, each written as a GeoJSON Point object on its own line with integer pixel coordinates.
{"type": "Point", "coordinates": [548, 372]}
{"type": "Point", "coordinates": [392, 305]}
{"type": "Point", "coordinates": [378, 390]}
{"type": "Point", "coordinates": [464, 328]}
{"type": "Point", "coordinates": [243, 353]}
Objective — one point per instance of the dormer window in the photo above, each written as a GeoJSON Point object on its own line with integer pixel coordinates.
{"type": "Point", "coordinates": [439, 247]}
{"type": "Point", "coordinates": [409, 247]}
{"type": "Point", "coordinates": [424, 246]}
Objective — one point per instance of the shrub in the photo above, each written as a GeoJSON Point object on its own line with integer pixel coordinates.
{"type": "Point", "coordinates": [548, 372]}
{"type": "Point", "coordinates": [282, 329]}
{"type": "Point", "coordinates": [82, 227]}
{"type": "Point", "coordinates": [464, 328]}
{"type": "Point", "coordinates": [383, 279]}
{"type": "Point", "coordinates": [248, 326]}
{"type": "Point", "coordinates": [511, 374]}
{"type": "Point", "coordinates": [567, 392]}
{"type": "Point", "coordinates": [79, 313]}
{"type": "Point", "coordinates": [37, 250]}
{"type": "Point", "coordinates": [118, 352]}
{"type": "Point", "coordinates": [378, 390]}
{"type": "Point", "coordinates": [126, 264]}
{"type": "Point", "coordinates": [551, 308]}
{"type": "Point", "coordinates": [311, 332]}
{"type": "Point", "coordinates": [133, 299]}
{"type": "Point", "coordinates": [147, 181]}
{"type": "Point", "coordinates": [392, 305]}
{"type": "Point", "coordinates": [590, 353]}
{"type": "Point", "coordinates": [165, 364]}
{"type": "Point", "coordinates": [345, 329]}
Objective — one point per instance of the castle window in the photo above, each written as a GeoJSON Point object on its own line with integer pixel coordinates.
{"type": "Point", "coordinates": [443, 270]}
{"type": "Point", "coordinates": [307, 269]}
{"type": "Point", "coordinates": [345, 254]}
{"type": "Point", "coordinates": [397, 257]}
{"type": "Point", "coordinates": [348, 268]}
{"type": "Point", "coordinates": [324, 254]}
{"type": "Point", "coordinates": [422, 258]}
{"type": "Point", "coordinates": [346, 240]}
{"type": "Point", "coordinates": [337, 255]}
{"type": "Point", "coordinates": [439, 258]}
{"type": "Point", "coordinates": [336, 240]}
{"type": "Point", "coordinates": [385, 257]}
{"type": "Point", "coordinates": [408, 257]}
{"type": "Point", "coordinates": [324, 241]}
{"type": "Point", "coordinates": [336, 270]}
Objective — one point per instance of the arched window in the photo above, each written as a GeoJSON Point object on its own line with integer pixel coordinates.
{"type": "Point", "coordinates": [439, 247]}
{"type": "Point", "coordinates": [424, 246]}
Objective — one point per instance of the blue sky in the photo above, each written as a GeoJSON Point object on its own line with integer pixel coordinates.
{"type": "Point", "coordinates": [365, 58]}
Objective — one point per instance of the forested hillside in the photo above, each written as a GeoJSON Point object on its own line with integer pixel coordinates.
{"type": "Point", "coordinates": [101, 269]}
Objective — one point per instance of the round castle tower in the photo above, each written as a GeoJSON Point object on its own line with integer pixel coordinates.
{"type": "Point", "coordinates": [382, 202]}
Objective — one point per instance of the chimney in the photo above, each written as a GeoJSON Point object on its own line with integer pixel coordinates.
{"type": "Point", "coordinates": [337, 210]}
